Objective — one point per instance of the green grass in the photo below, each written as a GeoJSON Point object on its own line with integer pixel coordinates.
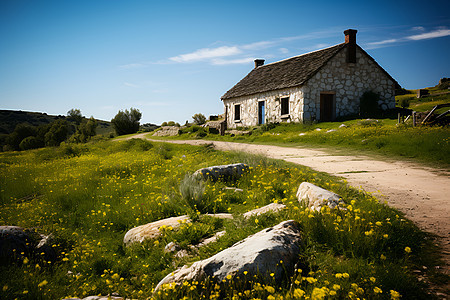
{"type": "Point", "coordinates": [89, 196]}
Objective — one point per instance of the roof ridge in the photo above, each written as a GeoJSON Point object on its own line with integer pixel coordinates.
{"type": "Point", "coordinates": [275, 62]}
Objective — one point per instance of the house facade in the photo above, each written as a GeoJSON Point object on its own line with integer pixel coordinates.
{"type": "Point", "coordinates": [317, 86]}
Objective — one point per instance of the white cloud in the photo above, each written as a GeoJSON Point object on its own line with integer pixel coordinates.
{"type": "Point", "coordinates": [284, 50]}
{"type": "Point", "coordinates": [221, 61]}
{"type": "Point", "coordinates": [130, 84]}
{"type": "Point", "coordinates": [206, 53]}
{"type": "Point", "coordinates": [418, 28]}
{"type": "Point", "coordinates": [430, 35]}
{"type": "Point", "coordinates": [384, 42]}
{"type": "Point", "coordinates": [132, 66]}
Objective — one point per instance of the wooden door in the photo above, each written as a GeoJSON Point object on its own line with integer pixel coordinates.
{"type": "Point", "coordinates": [326, 107]}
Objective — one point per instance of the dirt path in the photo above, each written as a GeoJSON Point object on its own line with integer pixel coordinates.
{"type": "Point", "coordinates": [422, 193]}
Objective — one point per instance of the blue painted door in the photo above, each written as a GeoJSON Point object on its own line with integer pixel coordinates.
{"type": "Point", "coordinates": [261, 112]}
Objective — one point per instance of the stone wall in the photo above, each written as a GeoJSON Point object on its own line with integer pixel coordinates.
{"type": "Point", "coordinates": [249, 107]}
{"type": "Point", "coordinates": [347, 81]}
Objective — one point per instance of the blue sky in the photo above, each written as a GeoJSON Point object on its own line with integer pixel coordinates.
{"type": "Point", "coordinates": [172, 59]}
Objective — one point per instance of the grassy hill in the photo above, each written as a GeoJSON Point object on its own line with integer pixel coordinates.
{"type": "Point", "coordinates": [9, 119]}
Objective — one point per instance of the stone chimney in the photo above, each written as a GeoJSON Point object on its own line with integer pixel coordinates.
{"type": "Point", "coordinates": [259, 63]}
{"type": "Point", "coordinates": [350, 40]}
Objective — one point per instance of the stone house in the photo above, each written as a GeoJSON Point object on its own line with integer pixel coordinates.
{"type": "Point", "coordinates": [318, 86]}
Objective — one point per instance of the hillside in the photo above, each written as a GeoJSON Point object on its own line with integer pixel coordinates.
{"type": "Point", "coordinates": [9, 119]}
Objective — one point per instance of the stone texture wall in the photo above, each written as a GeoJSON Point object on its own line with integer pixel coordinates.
{"type": "Point", "coordinates": [249, 107]}
{"type": "Point", "coordinates": [346, 81]}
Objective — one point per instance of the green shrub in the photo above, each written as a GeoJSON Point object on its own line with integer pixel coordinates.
{"type": "Point", "coordinates": [368, 105]}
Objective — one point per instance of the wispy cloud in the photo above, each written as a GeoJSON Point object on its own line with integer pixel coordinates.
{"type": "Point", "coordinates": [206, 53]}
{"type": "Point", "coordinates": [430, 35]}
{"type": "Point", "coordinates": [221, 61]}
{"type": "Point", "coordinates": [130, 85]}
{"type": "Point", "coordinates": [132, 66]}
{"type": "Point", "coordinates": [437, 33]}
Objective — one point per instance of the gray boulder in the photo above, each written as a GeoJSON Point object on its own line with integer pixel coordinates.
{"type": "Point", "coordinates": [272, 207]}
{"type": "Point", "coordinates": [315, 197]}
{"type": "Point", "coordinates": [15, 240]}
{"type": "Point", "coordinates": [225, 172]}
{"type": "Point", "coordinates": [151, 230]}
{"type": "Point", "coordinates": [260, 254]}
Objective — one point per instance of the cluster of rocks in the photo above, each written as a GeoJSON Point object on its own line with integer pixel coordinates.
{"type": "Point", "coordinates": [273, 250]}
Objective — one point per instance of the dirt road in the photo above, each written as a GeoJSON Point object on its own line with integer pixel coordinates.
{"type": "Point", "coordinates": [422, 193]}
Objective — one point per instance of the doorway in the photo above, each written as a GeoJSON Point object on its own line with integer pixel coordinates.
{"type": "Point", "coordinates": [261, 112]}
{"type": "Point", "coordinates": [327, 107]}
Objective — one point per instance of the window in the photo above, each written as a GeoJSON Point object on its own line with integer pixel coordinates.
{"type": "Point", "coordinates": [237, 112]}
{"type": "Point", "coordinates": [285, 106]}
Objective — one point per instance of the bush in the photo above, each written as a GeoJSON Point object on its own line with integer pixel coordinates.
{"type": "Point", "coordinates": [126, 122]}
{"type": "Point", "coordinates": [368, 105]}
{"type": "Point", "coordinates": [31, 142]}
{"type": "Point", "coordinates": [199, 119]}
{"type": "Point", "coordinates": [404, 102]}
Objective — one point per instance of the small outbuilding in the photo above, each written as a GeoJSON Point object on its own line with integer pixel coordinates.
{"type": "Point", "coordinates": [318, 86]}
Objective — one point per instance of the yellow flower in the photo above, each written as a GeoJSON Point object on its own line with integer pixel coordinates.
{"type": "Point", "coordinates": [338, 275]}
{"type": "Point", "coordinates": [395, 295]}
{"type": "Point", "coordinates": [378, 223]}
{"type": "Point", "coordinates": [382, 257]}
{"type": "Point", "coordinates": [373, 279]}
{"type": "Point", "coordinates": [408, 250]}
{"type": "Point", "coordinates": [270, 289]}
{"type": "Point", "coordinates": [26, 260]}
{"type": "Point", "coordinates": [270, 297]}
{"type": "Point", "coordinates": [298, 293]}
{"type": "Point", "coordinates": [377, 290]}
{"type": "Point", "coordinates": [336, 287]}
{"type": "Point", "coordinates": [318, 294]}
{"type": "Point", "coordinates": [42, 283]}
{"type": "Point", "coordinates": [228, 276]}
{"type": "Point", "coordinates": [345, 275]}
{"type": "Point", "coordinates": [256, 221]}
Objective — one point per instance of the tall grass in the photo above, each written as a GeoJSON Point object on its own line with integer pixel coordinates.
{"type": "Point", "coordinates": [88, 197]}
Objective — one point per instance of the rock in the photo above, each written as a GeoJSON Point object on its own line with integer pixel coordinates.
{"type": "Point", "coordinates": [224, 172]}
{"type": "Point", "coordinates": [151, 230]}
{"type": "Point", "coordinates": [171, 247]}
{"type": "Point", "coordinates": [272, 207]}
{"type": "Point", "coordinates": [259, 254]}
{"type": "Point", "coordinates": [15, 240]}
{"type": "Point", "coordinates": [220, 216]}
{"type": "Point", "coordinates": [343, 126]}
{"type": "Point", "coordinates": [315, 197]}
{"type": "Point", "coordinates": [167, 131]}
{"type": "Point", "coordinates": [233, 189]}
{"type": "Point", "coordinates": [331, 130]}
{"type": "Point", "coordinates": [212, 239]}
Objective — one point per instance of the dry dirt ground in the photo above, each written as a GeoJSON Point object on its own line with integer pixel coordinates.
{"type": "Point", "coordinates": [422, 193]}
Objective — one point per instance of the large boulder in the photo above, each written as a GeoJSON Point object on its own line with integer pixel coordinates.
{"type": "Point", "coordinates": [272, 207]}
{"type": "Point", "coordinates": [315, 197]}
{"type": "Point", "coordinates": [225, 172]}
{"type": "Point", "coordinates": [151, 230]}
{"type": "Point", "coordinates": [272, 250]}
{"type": "Point", "coordinates": [17, 242]}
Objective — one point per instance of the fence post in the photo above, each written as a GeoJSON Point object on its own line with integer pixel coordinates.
{"type": "Point", "coordinates": [399, 118]}
{"type": "Point", "coordinates": [414, 118]}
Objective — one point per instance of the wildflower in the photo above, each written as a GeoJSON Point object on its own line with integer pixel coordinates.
{"type": "Point", "coordinates": [377, 290]}
{"type": "Point", "coordinates": [311, 279]}
{"type": "Point", "coordinates": [256, 221]}
{"type": "Point", "coordinates": [44, 282]}
{"type": "Point", "coordinates": [336, 287]}
{"type": "Point", "coordinates": [373, 279]}
{"type": "Point", "coordinates": [25, 260]}
{"type": "Point", "coordinates": [270, 297]}
{"type": "Point", "coordinates": [298, 293]}
{"type": "Point", "coordinates": [378, 223]}
{"type": "Point", "coordinates": [382, 257]}
{"type": "Point", "coordinates": [338, 275]}
{"type": "Point", "coordinates": [5, 287]}
{"type": "Point", "coordinates": [345, 275]}
{"type": "Point", "coordinates": [385, 236]}
{"type": "Point", "coordinates": [228, 276]}
{"type": "Point", "coordinates": [394, 295]}
{"type": "Point", "coordinates": [25, 292]}
{"type": "Point", "coordinates": [408, 250]}
{"type": "Point", "coordinates": [318, 293]}
{"type": "Point", "coordinates": [270, 289]}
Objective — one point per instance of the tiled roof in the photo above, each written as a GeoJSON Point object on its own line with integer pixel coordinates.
{"type": "Point", "coordinates": [287, 73]}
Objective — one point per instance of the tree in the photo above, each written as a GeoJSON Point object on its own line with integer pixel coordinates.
{"type": "Point", "coordinates": [57, 133]}
{"type": "Point", "coordinates": [199, 119]}
{"type": "Point", "coordinates": [75, 115]}
{"type": "Point", "coordinates": [126, 122]}
{"type": "Point", "coordinates": [85, 131]}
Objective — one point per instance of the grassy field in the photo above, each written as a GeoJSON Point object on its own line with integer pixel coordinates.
{"type": "Point", "coordinates": [88, 196]}
{"type": "Point", "coordinates": [381, 137]}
